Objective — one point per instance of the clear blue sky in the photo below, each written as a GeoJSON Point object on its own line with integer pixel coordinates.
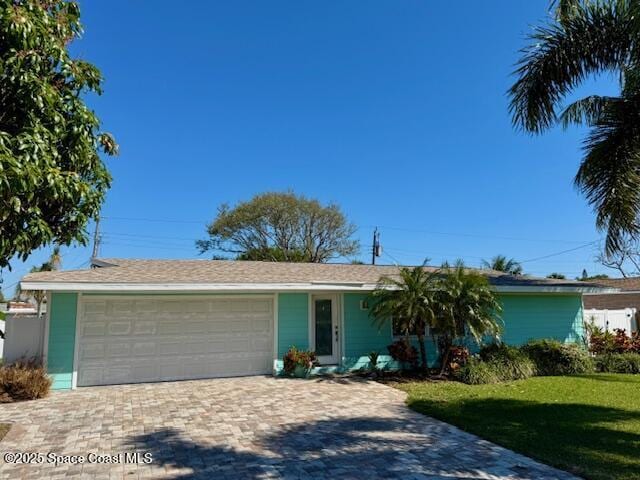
{"type": "Point", "coordinates": [395, 110]}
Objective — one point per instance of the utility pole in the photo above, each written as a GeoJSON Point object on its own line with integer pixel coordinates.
{"type": "Point", "coordinates": [376, 248]}
{"type": "Point", "coordinates": [96, 240]}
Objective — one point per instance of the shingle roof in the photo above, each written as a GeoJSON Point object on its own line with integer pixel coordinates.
{"type": "Point", "coordinates": [118, 270]}
{"type": "Point", "coordinates": [624, 284]}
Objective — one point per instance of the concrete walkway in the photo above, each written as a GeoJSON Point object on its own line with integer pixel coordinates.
{"type": "Point", "coordinates": [248, 428]}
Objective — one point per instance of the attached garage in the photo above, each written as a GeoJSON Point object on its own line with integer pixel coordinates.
{"type": "Point", "coordinates": [132, 339]}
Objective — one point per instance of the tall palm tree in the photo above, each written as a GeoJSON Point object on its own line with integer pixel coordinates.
{"type": "Point", "coordinates": [503, 264]}
{"type": "Point", "coordinates": [590, 37]}
{"type": "Point", "coordinates": [408, 299]}
{"type": "Point", "coordinates": [468, 307]}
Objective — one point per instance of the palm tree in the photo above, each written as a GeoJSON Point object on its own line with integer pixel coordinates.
{"type": "Point", "coordinates": [467, 307]}
{"type": "Point", "coordinates": [501, 263]}
{"type": "Point", "coordinates": [409, 300]}
{"type": "Point", "coordinates": [53, 263]}
{"type": "Point", "coordinates": [587, 38]}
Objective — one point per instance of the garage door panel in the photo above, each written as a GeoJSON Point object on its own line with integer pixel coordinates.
{"type": "Point", "coordinates": [118, 350]}
{"type": "Point", "coordinates": [198, 326]}
{"type": "Point", "coordinates": [145, 306]}
{"type": "Point", "coordinates": [119, 328]}
{"type": "Point", "coordinates": [144, 349]}
{"type": "Point", "coordinates": [90, 351]}
{"type": "Point", "coordinates": [169, 328]}
{"type": "Point", "coordinates": [96, 329]}
{"type": "Point", "coordinates": [144, 340]}
{"type": "Point", "coordinates": [121, 306]}
{"type": "Point", "coordinates": [145, 327]}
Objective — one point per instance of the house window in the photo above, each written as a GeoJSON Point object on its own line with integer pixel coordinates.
{"type": "Point", "coordinates": [398, 332]}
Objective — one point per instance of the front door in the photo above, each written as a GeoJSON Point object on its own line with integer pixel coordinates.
{"type": "Point", "coordinates": [324, 329]}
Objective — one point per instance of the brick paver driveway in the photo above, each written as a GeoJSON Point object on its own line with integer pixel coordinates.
{"type": "Point", "coordinates": [250, 428]}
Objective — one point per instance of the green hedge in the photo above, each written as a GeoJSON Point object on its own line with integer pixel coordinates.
{"type": "Point", "coordinates": [555, 358]}
{"type": "Point", "coordinates": [618, 363]}
{"type": "Point", "coordinates": [501, 363]}
{"type": "Point", "coordinates": [497, 363]}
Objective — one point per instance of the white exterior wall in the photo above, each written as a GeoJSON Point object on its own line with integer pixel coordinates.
{"type": "Point", "coordinates": [24, 337]}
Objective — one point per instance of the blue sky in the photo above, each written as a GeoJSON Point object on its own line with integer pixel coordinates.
{"type": "Point", "coordinates": [394, 110]}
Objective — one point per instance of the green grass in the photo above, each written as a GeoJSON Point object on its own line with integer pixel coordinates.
{"type": "Point", "coordinates": [588, 424]}
{"type": "Point", "coordinates": [4, 428]}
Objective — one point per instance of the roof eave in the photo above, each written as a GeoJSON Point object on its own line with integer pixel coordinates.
{"type": "Point", "coordinates": [268, 287]}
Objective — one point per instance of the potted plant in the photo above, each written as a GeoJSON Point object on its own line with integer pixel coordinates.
{"type": "Point", "coordinates": [298, 363]}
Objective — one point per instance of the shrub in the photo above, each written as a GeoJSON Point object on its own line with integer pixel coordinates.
{"type": "Point", "coordinates": [402, 351]}
{"type": "Point", "coordinates": [298, 358]}
{"type": "Point", "coordinates": [458, 357]}
{"type": "Point", "coordinates": [603, 342]}
{"type": "Point", "coordinates": [618, 363]}
{"type": "Point", "coordinates": [23, 380]}
{"type": "Point", "coordinates": [478, 372]}
{"type": "Point", "coordinates": [552, 357]}
{"type": "Point", "coordinates": [600, 341]}
{"type": "Point", "coordinates": [514, 363]}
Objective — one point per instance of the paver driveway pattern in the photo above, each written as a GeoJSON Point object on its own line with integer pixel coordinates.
{"type": "Point", "coordinates": [252, 428]}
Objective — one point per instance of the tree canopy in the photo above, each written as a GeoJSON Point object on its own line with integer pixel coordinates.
{"type": "Point", "coordinates": [52, 178]}
{"type": "Point", "coordinates": [281, 227]}
{"type": "Point", "coordinates": [557, 276]}
{"type": "Point", "coordinates": [588, 38]}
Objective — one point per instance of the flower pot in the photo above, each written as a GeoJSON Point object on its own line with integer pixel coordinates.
{"type": "Point", "coordinates": [301, 371]}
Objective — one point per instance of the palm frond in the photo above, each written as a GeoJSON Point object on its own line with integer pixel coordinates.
{"type": "Point", "coordinates": [596, 37]}
{"type": "Point", "coordinates": [586, 110]}
{"type": "Point", "coordinates": [610, 172]}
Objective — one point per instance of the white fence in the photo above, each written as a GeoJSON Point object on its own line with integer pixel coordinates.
{"type": "Point", "coordinates": [609, 320]}
{"type": "Point", "coordinates": [24, 337]}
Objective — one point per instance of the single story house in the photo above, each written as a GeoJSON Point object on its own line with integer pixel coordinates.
{"type": "Point", "coordinates": [127, 321]}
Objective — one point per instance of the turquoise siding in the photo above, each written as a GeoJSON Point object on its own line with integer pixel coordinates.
{"type": "Point", "coordinates": [362, 335]}
{"type": "Point", "coordinates": [293, 321]}
{"type": "Point", "coordinates": [525, 316]}
{"type": "Point", "coordinates": [62, 336]}
{"type": "Point", "coordinates": [542, 316]}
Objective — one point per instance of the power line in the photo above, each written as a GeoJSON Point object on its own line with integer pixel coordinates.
{"type": "Point", "coordinates": [388, 227]}
{"type": "Point", "coordinates": [148, 236]}
{"type": "Point", "coordinates": [560, 253]}
{"type": "Point", "coordinates": [159, 220]}
{"type": "Point", "coordinates": [161, 247]}
{"type": "Point", "coordinates": [474, 235]}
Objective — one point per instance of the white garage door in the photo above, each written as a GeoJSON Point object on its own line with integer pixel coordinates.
{"type": "Point", "coordinates": [149, 339]}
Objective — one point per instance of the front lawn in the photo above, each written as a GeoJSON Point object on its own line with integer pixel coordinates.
{"type": "Point", "coordinates": [4, 428]}
{"type": "Point", "coordinates": [588, 425]}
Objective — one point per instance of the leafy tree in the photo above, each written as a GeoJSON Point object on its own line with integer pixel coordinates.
{"type": "Point", "coordinates": [501, 263]}
{"type": "Point", "coordinates": [468, 306]}
{"type": "Point", "coordinates": [281, 227]}
{"type": "Point", "coordinates": [409, 300]}
{"type": "Point", "coordinates": [557, 275]}
{"type": "Point", "coordinates": [52, 179]}
{"type": "Point", "coordinates": [590, 37]}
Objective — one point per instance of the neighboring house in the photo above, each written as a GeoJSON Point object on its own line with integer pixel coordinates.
{"type": "Point", "coordinates": [626, 295]}
{"type": "Point", "coordinates": [152, 320]}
